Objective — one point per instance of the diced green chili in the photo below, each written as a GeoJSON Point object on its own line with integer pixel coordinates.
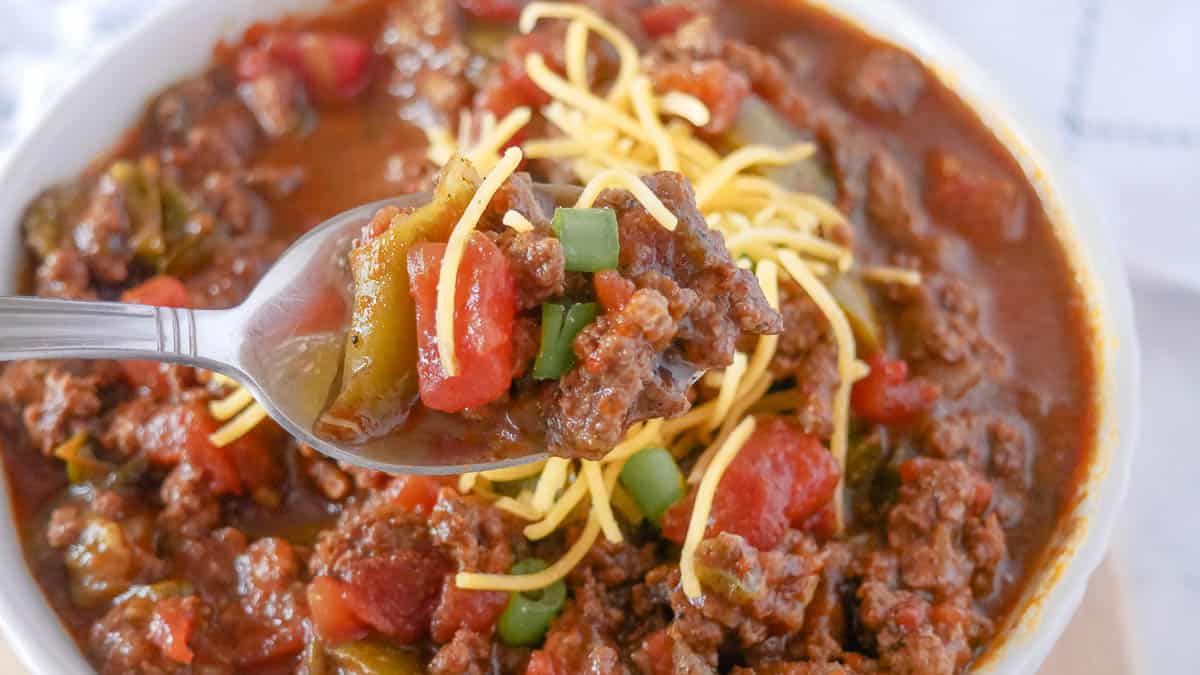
{"type": "Point", "coordinates": [560, 326]}
{"type": "Point", "coordinates": [367, 657]}
{"type": "Point", "coordinates": [757, 123]}
{"type": "Point", "coordinates": [855, 300]}
{"type": "Point", "coordinates": [82, 465]}
{"type": "Point", "coordinates": [528, 614]}
{"type": "Point", "coordinates": [139, 186]}
{"type": "Point", "coordinates": [863, 460]}
{"type": "Point", "coordinates": [589, 238]}
{"type": "Point", "coordinates": [654, 481]}
{"type": "Point", "coordinates": [379, 369]}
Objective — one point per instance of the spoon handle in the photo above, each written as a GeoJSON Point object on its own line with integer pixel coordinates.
{"type": "Point", "coordinates": [40, 328]}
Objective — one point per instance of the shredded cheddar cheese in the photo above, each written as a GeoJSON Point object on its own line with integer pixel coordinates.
{"type": "Point", "coordinates": [704, 498]}
{"type": "Point", "coordinates": [686, 106]}
{"type": "Point", "coordinates": [516, 221]}
{"type": "Point", "coordinates": [844, 337]}
{"type": "Point", "coordinates": [618, 178]}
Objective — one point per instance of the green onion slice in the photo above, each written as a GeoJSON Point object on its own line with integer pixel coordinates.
{"type": "Point", "coordinates": [589, 238]}
{"type": "Point", "coordinates": [528, 614]}
{"type": "Point", "coordinates": [560, 326]}
{"type": "Point", "coordinates": [654, 481]}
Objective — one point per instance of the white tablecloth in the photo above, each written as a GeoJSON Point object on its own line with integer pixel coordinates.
{"type": "Point", "coordinates": [1115, 82]}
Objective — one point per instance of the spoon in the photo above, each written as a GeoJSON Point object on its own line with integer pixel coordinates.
{"type": "Point", "coordinates": [268, 346]}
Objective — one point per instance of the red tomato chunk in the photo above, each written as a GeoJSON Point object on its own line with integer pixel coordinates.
{"type": "Point", "coordinates": [334, 67]}
{"type": "Point", "coordinates": [477, 611]}
{"type": "Point", "coordinates": [179, 434]}
{"type": "Point", "coordinates": [779, 479]}
{"type": "Point", "coordinates": [484, 310]}
{"type": "Point", "coordinates": [333, 618]}
{"type": "Point", "coordinates": [887, 396]}
{"type": "Point", "coordinates": [493, 10]}
{"type": "Point", "coordinates": [160, 291]}
{"type": "Point", "coordinates": [661, 20]}
{"type": "Point", "coordinates": [171, 628]}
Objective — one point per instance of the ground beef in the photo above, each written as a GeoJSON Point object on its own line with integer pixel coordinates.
{"type": "Point", "coordinates": [943, 340]}
{"type": "Point", "coordinates": [884, 82]}
{"type": "Point", "coordinates": [535, 258]}
{"type": "Point", "coordinates": [190, 509]}
{"type": "Point", "coordinates": [468, 653]}
{"type": "Point", "coordinates": [422, 40]}
{"type": "Point", "coordinates": [102, 235]}
{"type": "Point", "coordinates": [121, 642]}
{"type": "Point", "coordinates": [690, 307]}
{"type": "Point", "coordinates": [274, 610]}
{"type": "Point", "coordinates": [227, 138]}
{"type": "Point", "coordinates": [277, 99]}
{"type": "Point", "coordinates": [892, 207]}
{"type": "Point", "coordinates": [616, 357]}
{"type": "Point", "coordinates": [65, 404]}
{"type": "Point", "coordinates": [476, 536]}
{"type": "Point", "coordinates": [808, 352]}
{"type": "Point", "coordinates": [64, 274]}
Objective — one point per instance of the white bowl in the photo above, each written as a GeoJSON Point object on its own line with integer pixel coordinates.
{"type": "Point", "coordinates": [108, 96]}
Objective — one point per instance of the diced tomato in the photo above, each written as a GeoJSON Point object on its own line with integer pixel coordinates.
{"type": "Point", "coordinates": [160, 291]}
{"type": "Point", "coordinates": [974, 198]}
{"type": "Point", "coordinates": [171, 628]}
{"type": "Point", "coordinates": [720, 87]}
{"type": "Point", "coordinates": [660, 20]}
{"type": "Point", "coordinates": [477, 611]}
{"type": "Point", "coordinates": [333, 617]}
{"type": "Point", "coordinates": [780, 478]}
{"type": "Point", "coordinates": [887, 396]}
{"type": "Point", "coordinates": [415, 494]}
{"type": "Point", "coordinates": [612, 289]}
{"type": "Point", "coordinates": [180, 434]}
{"type": "Point", "coordinates": [658, 647]}
{"type": "Point", "coordinates": [401, 611]}
{"type": "Point", "coordinates": [493, 10]}
{"type": "Point", "coordinates": [822, 524]}
{"type": "Point", "coordinates": [251, 455]}
{"type": "Point", "coordinates": [511, 87]}
{"type": "Point", "coordinates": [485, 309]}
{"type": "Point", "coordinates": [335, 67]}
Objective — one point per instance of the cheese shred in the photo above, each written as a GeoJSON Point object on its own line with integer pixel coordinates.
{"type": "Point", "coordinates": [844, 337]}
{"type": "Point", "coordinates": [704, 499]}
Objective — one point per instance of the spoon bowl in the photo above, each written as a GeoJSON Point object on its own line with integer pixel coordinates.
{"type": "Point", "coordinates": [283, 344]}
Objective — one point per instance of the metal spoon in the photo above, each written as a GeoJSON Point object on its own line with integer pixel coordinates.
{"type": "Point", "coordinates": [265, 345]}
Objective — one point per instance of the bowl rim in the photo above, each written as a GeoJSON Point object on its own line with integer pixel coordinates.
{"type": "Point", "coordinates": [1054, 592]}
